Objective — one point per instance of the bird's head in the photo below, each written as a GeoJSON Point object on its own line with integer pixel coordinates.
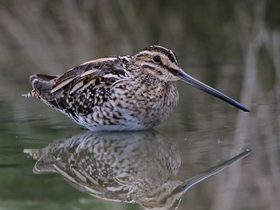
{"type": "Point", "coordinates": [162, 63]}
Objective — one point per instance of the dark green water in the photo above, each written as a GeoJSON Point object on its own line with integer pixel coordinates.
{"type": "Point", "coordinates": [231, 46]}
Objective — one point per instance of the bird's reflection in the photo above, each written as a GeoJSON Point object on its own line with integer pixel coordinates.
{"type": "Point", "coordinates": [134, 167]}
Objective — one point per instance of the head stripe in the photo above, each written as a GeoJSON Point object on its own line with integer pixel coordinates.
{"type": "Point", "coordinates": [171, 55]}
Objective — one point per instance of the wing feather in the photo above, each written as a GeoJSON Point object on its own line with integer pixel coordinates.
{"type": "Point", "coordinates": [76, 87]}
{"type": "Point", "coordinates": [61, 84]}
{"type": "Point", "coordinates": [87, 73]}
{"type": "Point", "coordinates": [75, 91]}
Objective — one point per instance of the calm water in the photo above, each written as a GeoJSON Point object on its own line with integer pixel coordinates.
{"type": "Point", "coordinates": [234, 47]}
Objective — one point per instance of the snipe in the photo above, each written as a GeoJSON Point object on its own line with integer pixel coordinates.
{"type": "Point", "coordinates": [131, 92]}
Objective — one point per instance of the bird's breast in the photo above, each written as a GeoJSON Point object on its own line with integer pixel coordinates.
{"type": "Point", "coordinates": [148, 103]}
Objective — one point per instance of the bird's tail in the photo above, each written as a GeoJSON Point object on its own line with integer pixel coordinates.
{"type": "Point", "coordinates": [42, 86]}
{"type": "Point", "coordinates": [32, 93]}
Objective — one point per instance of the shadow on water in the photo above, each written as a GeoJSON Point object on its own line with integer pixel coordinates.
{"type": "Point", "coordinates": [133, 167]}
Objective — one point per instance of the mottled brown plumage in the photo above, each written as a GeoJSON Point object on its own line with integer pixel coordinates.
{"type": "Point", "coordinates": [119, 93]}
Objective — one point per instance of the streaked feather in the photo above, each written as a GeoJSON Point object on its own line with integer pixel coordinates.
{"type": "Point", "coordinates": [88, 72]}
{"type": "Point", "coordinates": [61, 84]}
{"type": "Point", "coordinates": [76, 87]}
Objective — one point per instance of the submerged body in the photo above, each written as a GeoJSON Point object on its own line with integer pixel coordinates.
{"type": "Point", "coordinates": [119, 93]}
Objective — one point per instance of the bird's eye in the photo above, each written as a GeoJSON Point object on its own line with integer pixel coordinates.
{"type": "Point", "coordinates": [156, 59]}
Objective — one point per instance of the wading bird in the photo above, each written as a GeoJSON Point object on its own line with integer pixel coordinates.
{"type": "Point", "coordinates": [131, 92]}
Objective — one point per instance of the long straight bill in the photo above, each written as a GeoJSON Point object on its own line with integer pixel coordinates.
{"type": "Point", "coordinates": [199, 85]}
